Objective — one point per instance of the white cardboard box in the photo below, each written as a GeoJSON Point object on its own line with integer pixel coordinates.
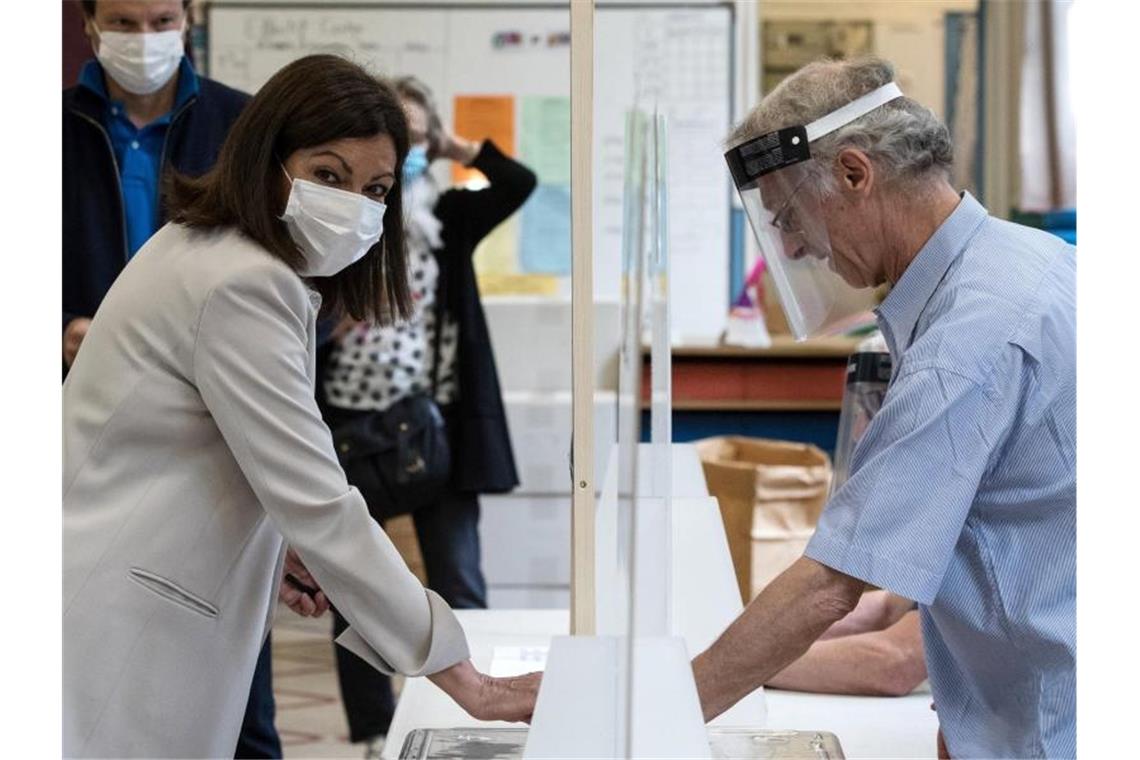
{"type": "Point", "coordinates": [525, 539]}
{"type": "Point", "coordinates": [531, 339]}
{"type": "Point", "coordinates": [528, 597]}
{"type": "Point", "coordinates": [541, 425]}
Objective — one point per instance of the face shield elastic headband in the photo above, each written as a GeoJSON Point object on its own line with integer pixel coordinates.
{"type": "Point", "coordinates": [785, 207]}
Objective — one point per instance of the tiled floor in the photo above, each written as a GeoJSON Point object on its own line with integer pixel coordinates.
{"type": "Point", "coordinates": [310, 717]}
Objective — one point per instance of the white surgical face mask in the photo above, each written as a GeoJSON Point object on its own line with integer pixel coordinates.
{"type": "Point", "coordinates": [333, 228]}
{"type": "Point", "coordinates": [140, 62]}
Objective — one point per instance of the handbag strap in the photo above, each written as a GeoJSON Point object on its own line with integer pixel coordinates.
{"type": "Point", "coordinates": [437, 338]}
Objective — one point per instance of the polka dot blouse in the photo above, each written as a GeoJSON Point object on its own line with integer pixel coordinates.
{"type": "Point", "coordinates": [370, 368]}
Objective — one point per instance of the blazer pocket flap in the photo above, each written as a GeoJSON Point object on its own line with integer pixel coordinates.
{"type": "Point", "coordinates": [171, 591]}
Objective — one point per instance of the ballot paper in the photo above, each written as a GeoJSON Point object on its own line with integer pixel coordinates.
{"type": "Point", "coordinates": [515, 661]}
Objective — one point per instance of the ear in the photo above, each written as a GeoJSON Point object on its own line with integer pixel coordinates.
{"type": "Point", "coordinates": [89, 31]}
{"type": "Point", "coordinates": [855, 171]}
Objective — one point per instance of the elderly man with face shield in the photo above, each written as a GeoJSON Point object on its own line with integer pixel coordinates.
{"type": "Point", "coordinates": [962, 492]}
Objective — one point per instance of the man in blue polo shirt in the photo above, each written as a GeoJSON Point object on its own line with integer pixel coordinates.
{"type": "Point", "coordinates": [138, 112]}
{"type": "Point", "coordinates": [962, 493]}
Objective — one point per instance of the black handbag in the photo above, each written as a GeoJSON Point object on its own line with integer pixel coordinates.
{"type": "Point", "coordinates": [399, 459]}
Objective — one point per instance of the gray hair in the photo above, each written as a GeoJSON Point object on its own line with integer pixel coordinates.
{"type": "Point", "coordinates": [903, 138]}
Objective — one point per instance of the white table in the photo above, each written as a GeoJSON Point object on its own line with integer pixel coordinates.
{"type": "Point", "coordinates": [867, 727]}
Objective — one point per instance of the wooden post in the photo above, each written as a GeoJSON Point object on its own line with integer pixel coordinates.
{"type": "Point", "coordinates": [1004, 45]}
{"type": "Point", "coordinates": [582, 571]}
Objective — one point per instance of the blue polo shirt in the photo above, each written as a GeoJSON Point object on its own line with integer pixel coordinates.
{"type": "Point", "coordinates": [963, 488]}
{"type": "Point", "coordinates": [138, 152]}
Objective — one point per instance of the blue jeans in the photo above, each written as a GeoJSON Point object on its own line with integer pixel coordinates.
{"type": "Point", "coordinates": [448, 534]}
{"type": "Point", "coordinates": [258, 738]}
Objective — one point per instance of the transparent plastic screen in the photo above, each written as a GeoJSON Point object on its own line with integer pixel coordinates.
{"type": "Point", "coordinates": [786, 213]}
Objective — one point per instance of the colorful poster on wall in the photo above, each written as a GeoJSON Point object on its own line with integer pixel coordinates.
{"type": "Point", "coordinates": [544, 247]}
{"type": "Point", "coordinates": [517, 284]}
{"type": "Point", "coordinates": [498, 253]}
{"type": "Point", "coordinates": [544, 138]}
{"type": "Point", "coordinates": [484, 117]}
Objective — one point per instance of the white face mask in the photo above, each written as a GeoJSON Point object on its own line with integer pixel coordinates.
{"type": "Point", "coordinates": [140, 62]}
{"type": "Point", "coordinates": [333, 228]}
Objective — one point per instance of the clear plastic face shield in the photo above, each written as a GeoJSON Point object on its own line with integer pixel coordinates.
{"type": "Point", "coordinates": [781, 196]}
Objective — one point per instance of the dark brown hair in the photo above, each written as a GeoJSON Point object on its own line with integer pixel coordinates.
{"type": "Point", "coordinates": [313, 100]}
{"type": "Point", "coordinates": [89, 6]}
{"type": "Point", "coordinates": [412, 89]}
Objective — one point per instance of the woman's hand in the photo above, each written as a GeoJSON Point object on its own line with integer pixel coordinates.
{"type": "Point", "coordinates": [457, 149]}
{"type": "Point", "coordinates": [301, 602]}
{"type": "Point", "coordinates": [346, 325]}
{"type": "Point", "coordinates": [487, 698]}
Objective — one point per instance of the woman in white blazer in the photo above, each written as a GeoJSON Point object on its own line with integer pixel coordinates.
{"type": "Point", "coordinates": [194, 451]}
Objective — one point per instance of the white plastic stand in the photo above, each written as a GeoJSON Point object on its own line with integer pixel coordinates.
{"type": "Point", "coordinates": [582, 708]}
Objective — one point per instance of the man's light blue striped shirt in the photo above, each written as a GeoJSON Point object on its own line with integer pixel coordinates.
{"type": "Point", "coordinates": [963, 489]}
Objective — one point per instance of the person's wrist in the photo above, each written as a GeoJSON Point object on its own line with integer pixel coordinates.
{"type": "Point", "coordinates": [462, 682]}
{"type": "Point", "coordinates": [704, 679]}
{"type": "Point", "coordinates": [464, 151]}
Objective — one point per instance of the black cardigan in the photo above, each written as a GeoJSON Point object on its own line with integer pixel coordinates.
{"type": "Point", "coordinates": [482, 460]}
{"type": "Point", "coordinates": [481, 456]}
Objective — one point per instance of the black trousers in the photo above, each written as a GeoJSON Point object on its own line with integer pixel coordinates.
{"type": "Point", "coordinates": [258, 738]}
{"type": "Point", "coordinates": [448, 534]}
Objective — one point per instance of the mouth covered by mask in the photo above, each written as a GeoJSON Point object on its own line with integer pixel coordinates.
{"type": "Point", "coordinates": [333, 228]}
{"type": "Point", "coordinates": [140, 62]}
{"type": "Point", "coordinates": [780, 192]}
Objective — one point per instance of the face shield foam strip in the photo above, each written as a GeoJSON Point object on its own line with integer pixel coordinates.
{"type": "Point", "coordinates": [861, 106]}
{"type": "Point", "coordinates": [771, 152]}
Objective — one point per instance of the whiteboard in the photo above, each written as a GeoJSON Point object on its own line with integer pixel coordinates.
{"type": "Point", "coordinates": [677, 57]}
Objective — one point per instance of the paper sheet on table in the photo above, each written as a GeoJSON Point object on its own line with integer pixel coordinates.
{"type": "Point", "coordinates": [544, 244]}
{"type": "Point", "coordinates": [498, 253]}
{"type": "Point", "coordinates": [515, 661]}
{"type": "Point", "coordinates": [544, 138]}
{"type": "Point", "coordinates": [484, 117]}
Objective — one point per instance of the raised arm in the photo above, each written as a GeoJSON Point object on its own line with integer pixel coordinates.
{"type": "Point", "coordinates": [480, 211]}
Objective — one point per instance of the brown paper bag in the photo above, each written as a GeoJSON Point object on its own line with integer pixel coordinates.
{"type": "Point", "coordinates": [770, 494]}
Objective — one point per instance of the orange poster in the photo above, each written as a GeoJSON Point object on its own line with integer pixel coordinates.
{"type": "Point", "coordinates": [482, 117]}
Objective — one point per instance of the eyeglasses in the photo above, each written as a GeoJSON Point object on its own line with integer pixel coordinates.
{"type": "Point", "coordinates": [785, 219]}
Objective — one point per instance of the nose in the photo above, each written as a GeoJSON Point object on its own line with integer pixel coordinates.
{"type": "Point", "coordinates": [795, 247]}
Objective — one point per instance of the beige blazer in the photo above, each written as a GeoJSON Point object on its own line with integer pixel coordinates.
{"type": "Point", "coordinates": [192, 445]}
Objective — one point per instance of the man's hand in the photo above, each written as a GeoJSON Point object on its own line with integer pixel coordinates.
{"type": "Point", "coordinates": [488, 698]}
{"type": "Point", "coordinates": [299, 601]}
{"type": "Point", "coordinates": [73, 336]}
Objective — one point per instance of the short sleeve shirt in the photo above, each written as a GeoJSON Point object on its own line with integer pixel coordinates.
{"type": "Point", "coordinates": [962, 493]}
